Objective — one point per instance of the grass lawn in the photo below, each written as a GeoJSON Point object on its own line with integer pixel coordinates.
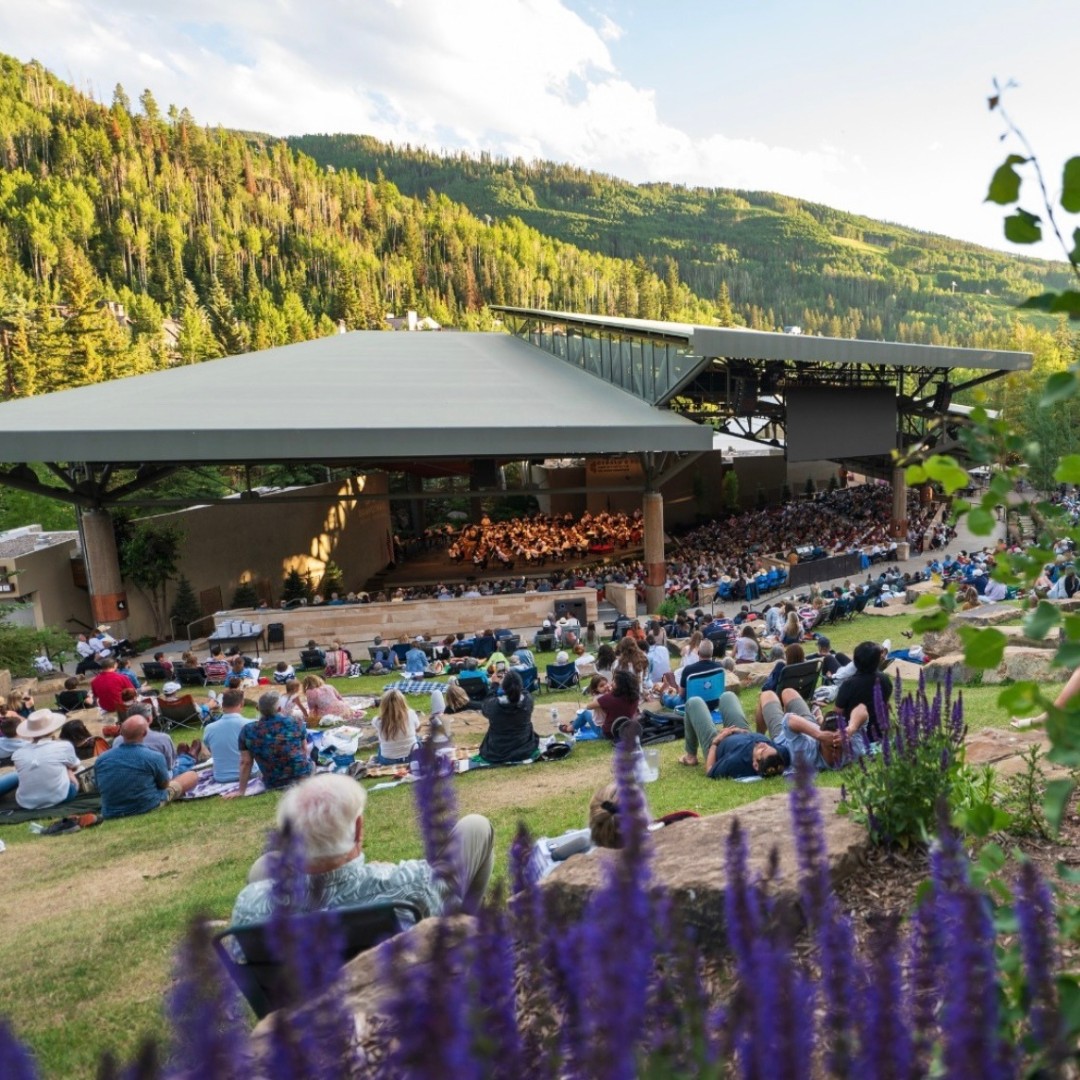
{"type": "Point", "coordinates": [92, 919]}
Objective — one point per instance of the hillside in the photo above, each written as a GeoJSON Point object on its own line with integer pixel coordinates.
{"type": "Point", "coordinates": [782, 261]}
{"type": "Point", "coordinates": [131, 239]}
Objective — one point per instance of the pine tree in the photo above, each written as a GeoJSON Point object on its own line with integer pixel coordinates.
{"type": "Point", "coordinates": [185, 607]}
{"type": "Point", "coordinates": [197, 341]}
{"type": "Point", "coordinates": [295, 587]}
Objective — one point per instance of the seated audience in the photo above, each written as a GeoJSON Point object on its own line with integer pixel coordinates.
{"type": "Point", "coordinates": [133, 779]}
{"type": "Point", "coordinates": [700, 729]}
{"type": "Point", "coordinates": [108, 687]}
{"type": "Point", "coordinates": [510, 735]}
{"type": "Point", "coordinates": [216, 669]}
{"type": "Point", "coordinates": [324, 700]}
{"type": "Point", "coordinates": [283, 672]}
{"type": "Point", "coordinates": [326, 813]}
{"type": "Point", "coordinates": [416, 659]}
{"type": "Point", "coordinates": [277, 744]}
{"type": "Point", "coordinates": [87, 746]}
{"type": "Point", "coordinates": [704, 665]}
{"type": "Point", "coordinates": [622, 698]}
{"type": "Point", "coordinates": [396, 725]}
{"type": "Point", "coordinates": [222, 737]}
{"type": "Point", "coordinates": [71, 698]}
{"type": "Point", "coordinates": [9, 738]}
{"type": "Point", "coordinates": [383, 658]}
{"type": "Point", "coordinates": [858, 689]}
{"type": "Point", "coordinates": [747, 648]}
{"type": "Point", "coordinates": [44, 767]}
{"type": "Point", "coordinates": [584, 725]}
{"type": "Point", "coordinates": [294, 703]}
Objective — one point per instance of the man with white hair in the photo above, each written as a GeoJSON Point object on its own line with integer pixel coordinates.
{"type": "Point", "coordinates": [326, 813]}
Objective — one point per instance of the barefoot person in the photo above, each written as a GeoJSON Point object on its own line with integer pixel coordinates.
{"type": "Point", "coordinates": [1068, 692]}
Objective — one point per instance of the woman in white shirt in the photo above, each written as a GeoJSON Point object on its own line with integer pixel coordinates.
{"type": "Point", "coordinates": [747, 647]}
{"type": "Point", "coordinates": [396, 726]}
{"type": "Point", "coordinates": [46, 767]}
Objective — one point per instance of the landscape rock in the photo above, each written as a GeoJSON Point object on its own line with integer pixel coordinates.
{"type": "Point", "coordinates": [941, 643]}
{"type": "Point", "coordinates": [1016, 636]}
{"type": "Point", "coordinates": [988, 614]}
{"type": "Point", "coordinates": [688, 860]}
{"type": "Point", "coordinates": [962, 675]}
{"type": "Point", "coordinates": [1029, 663]}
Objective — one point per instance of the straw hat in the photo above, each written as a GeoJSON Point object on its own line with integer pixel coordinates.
{"type": "Point", "coordinates": [103, 627]}
{"type": "Point", "coordinates": [41, 723]}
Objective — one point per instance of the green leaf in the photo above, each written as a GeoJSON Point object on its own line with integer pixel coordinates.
{"type": "Point", "coordinates": [1023, 228]}
{"type": "Point", "coordinates": [947, 472]}
{"type": "Point", "coordinates": [1005, 183]}
{"type": "Point", "coordinates": [1070, 185]}
{"type": "Point", "coordinates": [915, 474]}
{"type": "Point", "coordinates": [926, 624]}
{"type": "Point", "coordinates": [981, 522]}
{"type": "Point", "coordinates": [1060, 387]}
{"type": "Point", "coordinates": [925, 600]}
{"type": "Point", "coordinates": [982, 819]}
{"type": "Point", "coordinates": [1068, 470]}
{"type": "Point", "coordinates": [1042, 620]}
{"type": "Point", "coordinates": [982, 648]}
{"type": "Point", "coordinates": [1074, 255]}
{"type": "Point", "coordinates": [1020, 698]}
{"type": "Point", "coordinates": [1057, 795]}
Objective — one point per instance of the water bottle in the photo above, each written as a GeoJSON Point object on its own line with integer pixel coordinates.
{"type": "Point", "coordinates": [554, 715]}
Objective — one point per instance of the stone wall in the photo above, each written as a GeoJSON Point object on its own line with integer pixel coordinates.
{"type": "Point", "coordinates": [357, 624]}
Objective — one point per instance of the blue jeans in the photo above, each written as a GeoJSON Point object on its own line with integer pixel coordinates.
{"type": "Point", "coordinates": [585, 726]}
{"type": "Point", "coordinates": [671, 701]}
{"type": "Point", "coordinates": [184, 763]}
{"type": "Point", "coordinates": [8, 782]}
{"type": "Point", "coordinates": [380, 760]}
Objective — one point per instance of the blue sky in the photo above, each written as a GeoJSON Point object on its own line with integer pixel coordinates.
{"type": "Point", "coordinates": [866, 106]}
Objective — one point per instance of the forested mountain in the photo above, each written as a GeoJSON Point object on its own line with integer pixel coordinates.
{"type": "Point", "coordinates": [132, 238]}
{"type": "Point", "coordinates": [781, 261]}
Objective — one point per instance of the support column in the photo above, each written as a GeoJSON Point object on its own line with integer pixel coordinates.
{"type": "Point", "coordinates": [652, 513]}
{"type": "Point", "coordinates": [898, 525]}
{"type": "Point", "coordinates": [108, 601]}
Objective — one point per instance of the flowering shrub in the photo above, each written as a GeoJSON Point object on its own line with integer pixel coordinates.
{"type": "Point", "coordinates": [896, 792]}
{"type": "Point", "coordinates": [620, 992]}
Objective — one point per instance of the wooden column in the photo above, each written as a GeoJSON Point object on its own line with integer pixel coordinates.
{"type": "Point", "coordinates": [898, 525]}
{"type": "Point", "coordinates": [652, 512]}
{"type": "Point", "coordinates": [108, 601]}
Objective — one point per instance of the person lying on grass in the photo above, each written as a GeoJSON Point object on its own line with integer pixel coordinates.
{"type": "Point", "coordinates": [732, 750]}
{"type": "Point", "coordinates": [810, 737]}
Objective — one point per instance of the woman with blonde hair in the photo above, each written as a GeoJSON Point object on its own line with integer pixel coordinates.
{"type": "Point", "coordinates": [396, 725]}
{"type": "Point", "coordinates": [793, 630]}
{"type": "Point", "coordinates": [630, 658]}
{"type": "Point", "coordinates": [324, 700]}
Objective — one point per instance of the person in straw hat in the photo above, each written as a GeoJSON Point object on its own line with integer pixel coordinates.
{"type": "Point", "coordinates": [45, 766]}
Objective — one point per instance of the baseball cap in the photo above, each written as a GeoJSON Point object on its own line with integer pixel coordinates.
{"type": "Point", "coordinates": [171, 688]}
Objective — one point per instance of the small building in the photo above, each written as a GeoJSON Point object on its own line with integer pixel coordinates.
{"type": "Point", "coordinates": [42, 577]}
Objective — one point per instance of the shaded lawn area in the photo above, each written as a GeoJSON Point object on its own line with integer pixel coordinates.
{"type": "Point", "coordinates": [92, 919]}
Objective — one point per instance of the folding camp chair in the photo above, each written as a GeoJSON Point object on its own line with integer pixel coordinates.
{"type": "Point", "coordinates": [707, 685]}
{"type": "Point", "coordinates": [263, 981]}
{"type": "Point", "coordinates": [562, 676]}
{"type": "Point", "coordinates": [183, 712]}
{"type": "Point", "coordinates": [802, 678]}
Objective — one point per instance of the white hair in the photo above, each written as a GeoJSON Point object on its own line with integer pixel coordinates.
{"type": "Point", "coordinates": [322, 811]}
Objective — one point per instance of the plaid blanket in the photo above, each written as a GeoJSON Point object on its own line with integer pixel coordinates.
{"type": "Point", "coordinates": [415, 686]}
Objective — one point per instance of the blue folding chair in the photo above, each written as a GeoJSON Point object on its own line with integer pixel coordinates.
{"type": "Point", "coordinates": [530, 680]}
{"type": "Point", "coordinates": [562, 676]}
{"type": "Point", "coordinates": [708, 686]}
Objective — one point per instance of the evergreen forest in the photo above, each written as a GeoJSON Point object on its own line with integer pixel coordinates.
{"type": "Point", "coordinates": [133, 238]}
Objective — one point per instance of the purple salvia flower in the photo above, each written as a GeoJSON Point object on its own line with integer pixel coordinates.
{"type": "Point", "coordinates": [742, 917]}
{"type": "Point", "coordinates": [815, 885]}
{"type": "Point", "coordinates": [948, 863]}
{"type": "Point", "coordinates": [208, 1038]}
{"type": "Point", "coordinates": [494, 1021]}
{"type": "Point", "coordinates": [436, 812]}
{"type": "Point", "coordinates": [1035, 916]}
{"type": "Point", "coordinates": [16, 1062]}
{"type": "Point", "coordinates": [885, 1045]}
{"type": "Point", "coordinates": [924, 983]}
{"type": "Point", "coordinates": [617, 967]}
{"type": "Point", "coordinates": [970, 1012]}
{"type": "Point", "coordinates": [429, 1011]}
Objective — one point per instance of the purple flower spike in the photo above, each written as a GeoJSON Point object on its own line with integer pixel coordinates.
{"type": "Point", "coordinates": [885, 1046]}
{"type": "Point", "coordinates": [15, 1060]}
{"type": "Point", "coordinates": [1035, 915]}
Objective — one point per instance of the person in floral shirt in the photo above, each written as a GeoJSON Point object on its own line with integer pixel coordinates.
{"type": "Point", "coordinates": [277, 743]}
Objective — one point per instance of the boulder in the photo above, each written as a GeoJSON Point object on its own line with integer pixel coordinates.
{"type": "Point", "coordinates": [943, 642]}
{"type": "Point", "coordinates": [1016, 636]}
{"type": "Point", "coordinates": [954, 662]}
{"type": "Point", "coordinates": [989, 614]}
{"type": "Point", "coordinates": [1029, 664]}
{"type": "Point", "coordinates": [688, 860]}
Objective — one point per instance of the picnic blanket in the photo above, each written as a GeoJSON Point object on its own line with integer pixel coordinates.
{"type": "Point", "coordinates": [208, 786]}
{"type": "Point", "coordinates": [11, 813]}
{"type": "Point", "coordinates": [415, 686]}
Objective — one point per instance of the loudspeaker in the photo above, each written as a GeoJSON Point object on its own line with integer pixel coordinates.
{"type": "Point", "coordinates": [571, 609]}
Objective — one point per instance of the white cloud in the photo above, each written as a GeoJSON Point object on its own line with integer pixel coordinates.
{"type": "Point", "coordinates": [514, 77]}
